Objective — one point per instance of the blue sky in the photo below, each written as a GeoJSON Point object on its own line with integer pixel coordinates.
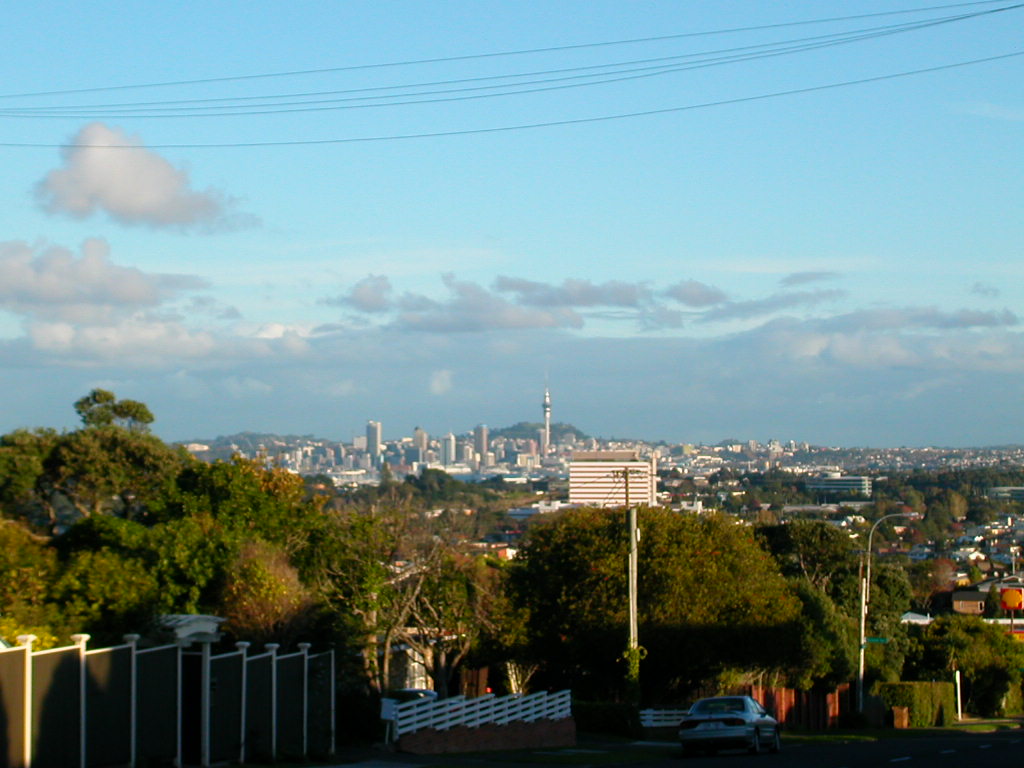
{"type": "Point", "coordinates": [840, 265]}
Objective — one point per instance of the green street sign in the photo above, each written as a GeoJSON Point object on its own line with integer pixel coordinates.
{"type": "Point", "coordinates": [877, 639]}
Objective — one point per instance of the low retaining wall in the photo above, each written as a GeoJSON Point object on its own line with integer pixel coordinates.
{"type": "Point", "coordinates": [540, 734]}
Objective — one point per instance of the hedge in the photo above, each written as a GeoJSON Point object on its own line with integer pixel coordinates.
{"type": "Point", "coordinates": [607, 718]}
{"type": "Point", "coordinates": [930, 704]}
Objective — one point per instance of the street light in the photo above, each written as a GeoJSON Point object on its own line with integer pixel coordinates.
{"type": "Point", "coordinates": [865, 597]}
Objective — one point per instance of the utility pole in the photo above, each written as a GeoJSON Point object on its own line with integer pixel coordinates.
{"type": "Point", "coordinates": [865, 601]}
{"type": "Point", "coordinates": [633, 652]}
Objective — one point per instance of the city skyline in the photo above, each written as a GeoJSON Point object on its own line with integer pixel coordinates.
{"type": "Point", "coordinates": [697, 222]}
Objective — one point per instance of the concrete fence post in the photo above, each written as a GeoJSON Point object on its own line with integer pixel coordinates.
{"type": "Point", "coordinates": [81, 640]}
{"type": "Point", "coordinates": [26, 641]}
{"type": "Point", "coordinates": [271, 648]}
{"type": "Point", "coordinates": [243, 647]}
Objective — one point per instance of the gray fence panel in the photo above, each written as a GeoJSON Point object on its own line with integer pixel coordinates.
{"type": "Point", "coordinates": [226, 708]}
{"type": "Point", "coordinates": [56, 709]}
{"type": "Point", "coordinates": [290, 672]}
{"type": "Point", "coordinates": [259, 710]}
{"type": "Point", "coordinates": [108, 707]}
{"type": "Point", "coordinates": [192, 708]}
{"type": "Point", "coordinates": [12, 708]}
{"type": "Point", "coordinates": [318, 698]}
{"type": "Point", "coordinates": [156, 705]}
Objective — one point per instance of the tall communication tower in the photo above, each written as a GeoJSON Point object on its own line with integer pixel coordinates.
{"type": "Point", "coordinates": [547, 422]}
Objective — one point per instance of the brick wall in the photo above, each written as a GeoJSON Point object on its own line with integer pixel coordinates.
{"type": "Point", "coordinates": [541, 734]}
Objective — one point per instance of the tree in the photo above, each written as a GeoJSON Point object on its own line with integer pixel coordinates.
{"type": "Point", "coordinates": [23, 455]}
{"type": "Point", "coordinates": [53, 479]}
{"type": "Point", "coordinates": [101, 408]}
{"type": "Point", "coordinates": [264, 599]}
{"type": "Point", "coordinates": [29, 567]}
{"type": "Point", "coordinates": [711, 599]}
{"type": "Point", "coordinates": [108, 470]}
{"type": "Point", "coordinates": [818, 552]}
{"type": "Point", "coordinates": [891, 597]}
{"type": "Point", "coordinates": [986, 655]}
{"type": "Point", "coordinates": [349, 560]}
{"type": "Point", "coordinates": [452, 599]}
{"type": "Point", "coordinates": [826, 653]}
{"type": "Point", "coordinates": [244, 495]}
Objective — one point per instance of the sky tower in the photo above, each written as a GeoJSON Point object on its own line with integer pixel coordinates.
{"type": "Point", "coordinates": [546, 438]}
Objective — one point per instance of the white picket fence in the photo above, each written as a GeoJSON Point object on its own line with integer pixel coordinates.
{"type": "Point", "coordinates": [442, 714]}
{"type": "Point", "coordinates": [661, 718]}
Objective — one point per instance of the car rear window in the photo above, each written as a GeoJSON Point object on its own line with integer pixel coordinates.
{"type": "Point", "coordinates": [717, 706]}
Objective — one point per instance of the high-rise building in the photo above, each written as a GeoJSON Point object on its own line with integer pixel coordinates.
{"type": "Point", "coordinates": [420, 438]}
{"type": "Point", "coordinates": [420, 443]}
{"type": "Point", "coordinates": [612, 479]}
{"type": "Point", "coordinates": [448, 446]}
{"type": "Point", "coordinates": [374, 440]}
{"type": "Point", "coordinates": [481, 443]}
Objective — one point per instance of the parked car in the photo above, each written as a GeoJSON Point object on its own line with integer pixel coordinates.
{"type": "Point", "coordinates": [725, 722]}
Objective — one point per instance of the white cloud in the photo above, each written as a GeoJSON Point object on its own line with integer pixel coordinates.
{"type": "Point", "coordinates": [473, 308]}
{"type": "Point", "coordinates": [107, 170]}
{"type": "Point", "coordinates": [695, 294]}
{"type": "Point", "coordinates": [802, 278]}
{"type": "Point", "coordinates": [371, 294]}
{"type": "Point", "coordinates": [134, 341]}
{"type": "Point", "coordinates": [440, 382]}
{"type": "Point", "coordinates": [919, 317]}
{"type": "Point", "coordinates": [986, 290]}
{"type": "Point", "coordinates": [51, 283]}
{"type": "Point", "coordinates": [744, 310]}
{"type": "Point", "coordinates": [574, 293]}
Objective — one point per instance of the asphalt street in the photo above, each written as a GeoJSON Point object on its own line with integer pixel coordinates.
{"type": "Point", "coordinates": [954, 751]}
{"type": "Point", "coordinates": [941, 750]}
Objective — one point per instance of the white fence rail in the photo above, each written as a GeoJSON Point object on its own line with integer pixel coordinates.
{"type": "Point", "coordinates": [442, 714]}
{"type": "Point", "coordinates": [661, 718]}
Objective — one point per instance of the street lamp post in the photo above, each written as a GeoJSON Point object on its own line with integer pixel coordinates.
{"type": "Point", "coordinates": [865, 598]}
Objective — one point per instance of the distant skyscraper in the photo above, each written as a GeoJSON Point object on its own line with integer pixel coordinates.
{"type": "Point", "coordinates": [546, 438]}
{"type": "Point", "coordinates": [373, 438]}
{"type": "Point", "coordinates": [480, 442]}
{"type": "Point", "coordinates": [421, 441]}
{"type": "Point", "coordinates": [448, 447]}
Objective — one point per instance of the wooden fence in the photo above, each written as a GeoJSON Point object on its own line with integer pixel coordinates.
{"type": "Point", "coordinates": [804, 710]}
{"type": "Point", "coordinates": [444, 714]}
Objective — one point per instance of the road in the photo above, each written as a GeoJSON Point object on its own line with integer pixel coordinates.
{"type": "Point", "coordinates": [941, 751]}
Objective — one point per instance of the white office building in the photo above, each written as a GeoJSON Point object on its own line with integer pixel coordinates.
{"type": "Point", "coordinates": [374, 439]}
{"type": "Point", "coordinates": [612, 479]}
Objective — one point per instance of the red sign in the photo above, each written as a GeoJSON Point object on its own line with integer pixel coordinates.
{"type": "Point", "coordinates": [1011, 599]}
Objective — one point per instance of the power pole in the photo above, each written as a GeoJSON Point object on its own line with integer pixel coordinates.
{"type": "Point", "coordinates": [633, 651]}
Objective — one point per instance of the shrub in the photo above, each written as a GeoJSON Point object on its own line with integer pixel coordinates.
{"type": "Point", "coordinates": [607, 717]}
{"type": "Point", "coordinates": [930, 704]}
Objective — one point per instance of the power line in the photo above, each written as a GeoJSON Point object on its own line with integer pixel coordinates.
{"type": "Point", "coordinates": [494, 54]}
{"type": "Point", "coordinates": [471, 93]}
{"type": "Point", "coordinates": [172, 108]}
{"type": "Point", "coordinates": [529, 126]}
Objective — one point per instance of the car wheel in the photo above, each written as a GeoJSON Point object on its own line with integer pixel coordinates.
{"type": "Point", "coordinates": [755, 743]}
{"type": "Point", "coordinates": [776, 742]}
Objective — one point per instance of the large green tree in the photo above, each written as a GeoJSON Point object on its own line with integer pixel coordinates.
{"type": "Point", "coordinates": [710, 600]}
{"type": "Point", "coordinates": [102, 408]}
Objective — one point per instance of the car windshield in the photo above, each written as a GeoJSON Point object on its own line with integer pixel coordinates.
{"type": "Point", "coordinates": [718, 706]}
